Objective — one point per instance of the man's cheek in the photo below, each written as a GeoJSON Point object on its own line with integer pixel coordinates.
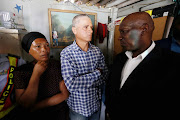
{"type": "Point", "coordinates": [134, 35]}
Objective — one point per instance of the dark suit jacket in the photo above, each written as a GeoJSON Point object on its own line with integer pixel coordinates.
{"type": "Point", "coordinates": [151, 88]}
{"type": "Point", "coordinates": [164, 43]}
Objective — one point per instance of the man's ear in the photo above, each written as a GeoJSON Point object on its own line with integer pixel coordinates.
{"type": "Point", "coordinates": [145, 28]}
{"type": "Point", "coordinates": [74, 30]}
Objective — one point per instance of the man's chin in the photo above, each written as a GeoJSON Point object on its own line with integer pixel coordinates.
{"type": "Point", "coordinates": [88, 40]}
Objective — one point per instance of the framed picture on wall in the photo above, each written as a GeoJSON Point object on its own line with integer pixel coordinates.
{"type": "Point", "coordinates": [60, 26]}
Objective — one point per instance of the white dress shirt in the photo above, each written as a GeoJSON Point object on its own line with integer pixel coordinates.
{"type": "Point", "coordinates": [132, 63]}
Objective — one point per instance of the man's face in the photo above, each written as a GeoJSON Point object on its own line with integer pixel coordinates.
{"type": "Point", "coordinates": [40, 49]}
{"type": "Point", "coordinates": [83, 30]}
{"type": "Point", "coordinates": [129, 37]}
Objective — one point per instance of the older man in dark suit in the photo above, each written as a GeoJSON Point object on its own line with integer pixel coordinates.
{"type": "Point", "coordinates": [143, 80]}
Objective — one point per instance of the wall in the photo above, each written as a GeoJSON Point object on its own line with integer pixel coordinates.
{"type": "Point", "coordinates": [35, 16]}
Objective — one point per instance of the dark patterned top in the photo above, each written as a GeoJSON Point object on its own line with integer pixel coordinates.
{"type": "Point", "coordinates": [48, 85]}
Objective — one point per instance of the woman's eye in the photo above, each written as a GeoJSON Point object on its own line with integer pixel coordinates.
{"type": "Point", "coordinates": [38, 46]}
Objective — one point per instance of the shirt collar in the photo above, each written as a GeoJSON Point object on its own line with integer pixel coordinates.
{"type": "Point", "coordinates": [76, 47]}
{"type": "Point", "coordinates": [142, 55]}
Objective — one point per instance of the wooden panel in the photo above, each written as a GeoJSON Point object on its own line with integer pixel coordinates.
{"type": "Point", "coordinates": [10, 43]}
{"type": "Point", "coordinates": [159, 24]}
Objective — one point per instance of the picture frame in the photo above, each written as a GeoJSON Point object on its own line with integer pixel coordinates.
{"type": "Point", "coordinates": [60, 27]}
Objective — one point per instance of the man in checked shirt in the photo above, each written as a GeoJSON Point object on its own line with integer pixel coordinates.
{"type": "Point", "coordinates": [84, 71]}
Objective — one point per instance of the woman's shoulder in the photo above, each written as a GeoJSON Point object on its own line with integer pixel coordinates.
{"type": "Point", "coordinates": [24, 67]}
{"type": "Point", "coordinates": [54, 62]}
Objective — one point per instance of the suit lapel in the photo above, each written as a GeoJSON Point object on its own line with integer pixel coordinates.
{"type": "Point", "coordinates": [117, 68]}
{"type": "Point", "coordinates": [144, 66]}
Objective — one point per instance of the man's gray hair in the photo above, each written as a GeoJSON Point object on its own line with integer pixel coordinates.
{"type": "Point", "coordinates": [75, 20]}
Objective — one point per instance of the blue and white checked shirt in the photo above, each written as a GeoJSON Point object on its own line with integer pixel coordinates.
{"type": "Point", "coordinates": [82, 79]}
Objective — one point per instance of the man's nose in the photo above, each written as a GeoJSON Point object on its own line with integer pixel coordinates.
{"type": "Point", "coordinates": [90, 30]}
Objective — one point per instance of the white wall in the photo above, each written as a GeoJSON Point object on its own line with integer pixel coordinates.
{"type": "Point", "coordinates": [35, 16]}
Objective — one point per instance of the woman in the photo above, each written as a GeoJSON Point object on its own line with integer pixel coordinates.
{"type": "Point", "coordinates": [39, 87]}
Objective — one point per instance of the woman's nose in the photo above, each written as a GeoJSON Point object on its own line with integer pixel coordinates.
{"type": "Point", "coordinates": [43, 48]}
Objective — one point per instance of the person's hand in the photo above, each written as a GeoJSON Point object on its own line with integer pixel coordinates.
{"type": "Point", "coordinates": [62, 86]}
{"type": "Point", "coordinates": [40, 67]}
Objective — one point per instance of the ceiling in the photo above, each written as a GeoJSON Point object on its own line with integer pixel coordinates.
{"type": "Point", "coordinates": [124, 5]}
{"type": "Point", "coordinates": [119, 3]}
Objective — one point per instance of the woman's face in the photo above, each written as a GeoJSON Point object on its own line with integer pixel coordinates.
{"type": "Point", "coordinates": [40, 49]}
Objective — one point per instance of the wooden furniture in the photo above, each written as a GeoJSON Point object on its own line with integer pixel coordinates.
{"type": "Point", "coordinates": [10, 43]}
{"type": "Point", "coordinates": [159, 24]}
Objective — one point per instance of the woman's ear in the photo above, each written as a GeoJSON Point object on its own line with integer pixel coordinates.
{"type": "Point", "coordinates": [74, 30]}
